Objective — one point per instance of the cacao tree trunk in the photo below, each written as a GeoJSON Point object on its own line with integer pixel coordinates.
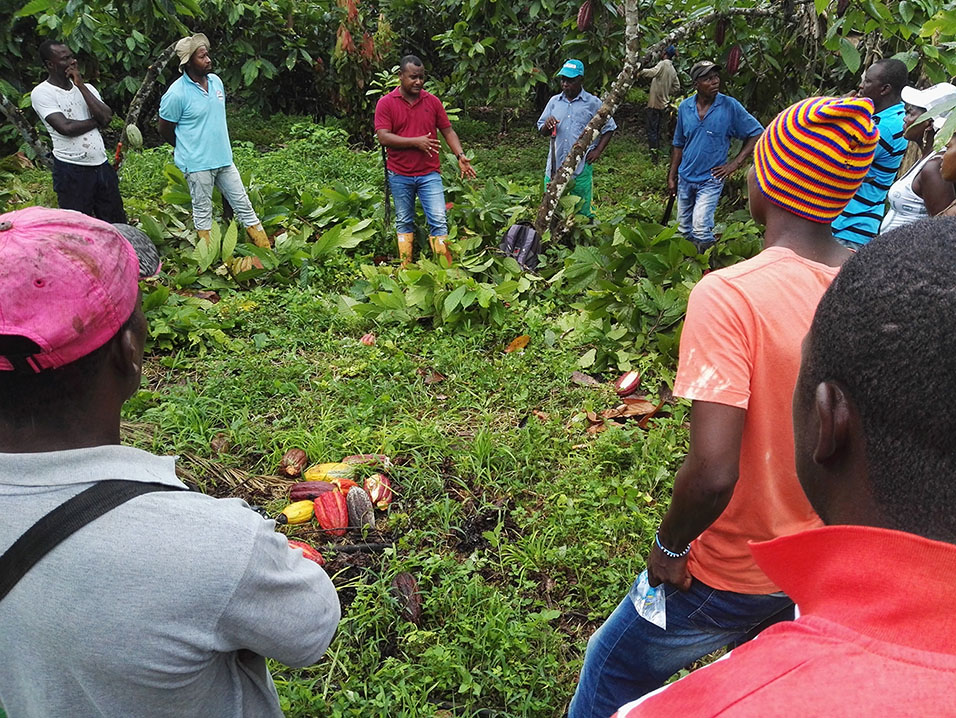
{"type": "Point", "coordinates": [16, 118]}
{"type": "Point", "coordinates": [619, 88]}
{"type": "Point", "coordinates": [142, 94]}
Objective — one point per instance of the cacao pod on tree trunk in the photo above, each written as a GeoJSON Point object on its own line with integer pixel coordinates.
{"type": "Point", "coordinates": [733, 60]}
{"type": "Point", "coordinates": [585, 15]}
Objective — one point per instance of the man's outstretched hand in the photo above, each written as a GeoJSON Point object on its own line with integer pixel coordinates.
{"type": "Point", "coordinates": [465, 168]}
{"type": "Point", "coordinates": [428, 145]}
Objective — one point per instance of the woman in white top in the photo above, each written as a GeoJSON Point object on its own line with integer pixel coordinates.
{"type": "Point", "coordinates": [921, 191]}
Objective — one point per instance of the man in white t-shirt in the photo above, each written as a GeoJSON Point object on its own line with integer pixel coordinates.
{"type": "Point", "coordinates": [73, 113]}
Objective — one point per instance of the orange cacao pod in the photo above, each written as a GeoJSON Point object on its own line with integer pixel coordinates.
{"type": "Point", "coordinates": [307, 551]}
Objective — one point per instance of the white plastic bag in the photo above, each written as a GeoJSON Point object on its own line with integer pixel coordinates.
{"type": "Point", "coordinates": [649, 601]}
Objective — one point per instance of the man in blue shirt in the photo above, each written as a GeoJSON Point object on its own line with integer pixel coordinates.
{"type": "Point", "coordinates": [192, 118]}
{"type": "Point", "coordinates": [705, 124]}
{"type": "Point", "coordinates": [566, 115]}
{"type": "Point", "coordinates": [883, 83]}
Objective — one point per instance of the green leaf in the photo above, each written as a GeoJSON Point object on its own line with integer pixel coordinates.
{"type": "Point", "coordinates": [34, 7]}
{"type": "Point", "coordinates": [820, 6]}
{"type": "Point", "coordinates": [587, 359]}
{"type": "Point", "coordinates": [229, 241]}
{"type": "Point", "coordinates": [155, 299]}
{"type": "Point", "coordinates": [850, 55]}
{"type": "Point", "coordinates": [207, 249]}
{"type": "Point", "coordinates": [453, 300]}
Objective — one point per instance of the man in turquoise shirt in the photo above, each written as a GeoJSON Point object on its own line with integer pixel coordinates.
{"type": "Point", "coordinates": [566, 115]}
{"type": "Point", "coordinates": [883, 83]}
{"type": "Point", "coordinates": [706, 122]}
{"type": "Point", "coordinates": [192, 118]}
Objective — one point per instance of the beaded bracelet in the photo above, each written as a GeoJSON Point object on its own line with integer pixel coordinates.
{"type": "Point", "coordinates": [668, 552]}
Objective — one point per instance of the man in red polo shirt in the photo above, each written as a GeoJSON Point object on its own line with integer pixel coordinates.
{"type": "Point", "coordinates": [407, 122]}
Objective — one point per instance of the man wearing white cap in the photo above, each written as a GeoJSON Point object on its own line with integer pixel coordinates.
{"type": "Point", "coordinates": [192, 118]}
{"type": "Point", "coordinates": [564, 119]}
{"type": "Point", "coordinates": [921, 191]}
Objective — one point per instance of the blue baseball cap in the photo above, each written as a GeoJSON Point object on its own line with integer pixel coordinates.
{"type": "Point", "coordinates": [571, 68]}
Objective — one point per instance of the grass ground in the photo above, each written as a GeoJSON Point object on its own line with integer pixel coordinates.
{"type": "Point", "coordinates": [522, 529]}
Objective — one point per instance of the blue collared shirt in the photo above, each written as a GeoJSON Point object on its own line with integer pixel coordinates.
{"type": "Point", "coordinates": [202, 138]}
{"type": "Point", "coordinates": [705, 142]}
{"type": "Point", "coordinates": [861, 219]}
{"type": "Point", "coordinates": [572, 116]}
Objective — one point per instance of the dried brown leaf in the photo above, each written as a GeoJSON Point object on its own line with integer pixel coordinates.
{"type": "Point", "coordinates": [518, 343]}
{"type": "Point", "coordinates": [544, 416]}
{"type": "Point", "coordinates": [582, 379]}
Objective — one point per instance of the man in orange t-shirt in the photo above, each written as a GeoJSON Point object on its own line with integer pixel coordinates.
{"type": "Point", "coordinates": [739, 358]}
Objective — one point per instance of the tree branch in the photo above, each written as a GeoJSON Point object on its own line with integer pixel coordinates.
{"type": "Point", "coordinates": [16, 118]}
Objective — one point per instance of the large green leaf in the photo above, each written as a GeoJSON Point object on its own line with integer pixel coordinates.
{"type": "Point", "coordinates": [850, 55]}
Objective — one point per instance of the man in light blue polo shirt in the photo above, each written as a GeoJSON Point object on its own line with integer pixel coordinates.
{"type": "Point", "coordinates": [705, 124]}
{"type": "Point", "coordinates": [566, 115]}
{"type": "Point", "coordinates": [192, 118]}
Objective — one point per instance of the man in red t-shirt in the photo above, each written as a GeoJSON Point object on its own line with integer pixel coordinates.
{"type": "Point", "coordinates": [407, 122]}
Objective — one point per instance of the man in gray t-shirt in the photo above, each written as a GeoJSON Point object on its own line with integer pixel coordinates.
{"type": "Point", "coordinates": [169, 604]}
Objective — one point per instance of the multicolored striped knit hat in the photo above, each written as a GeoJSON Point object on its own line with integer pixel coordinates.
{"type": "Point", "coordinates": [814, 155]}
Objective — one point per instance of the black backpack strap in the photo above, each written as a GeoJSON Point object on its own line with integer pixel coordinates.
{"type": "Point", "coordinates": [64, 520]}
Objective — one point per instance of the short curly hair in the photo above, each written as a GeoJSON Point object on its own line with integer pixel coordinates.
{"type": "Point", "coordinates": [885, 331]}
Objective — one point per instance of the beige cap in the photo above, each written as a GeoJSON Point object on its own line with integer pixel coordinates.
{"type": "Point", "coordinates": [188, 45]}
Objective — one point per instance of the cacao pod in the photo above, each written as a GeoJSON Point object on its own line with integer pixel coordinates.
{"type": "Point", "coordinates": [292, 462]}
{"type": "Point", "coordinates": [627, 383]}
{"type": "Point", "coordinates": [332, 512]}
{"type": "Point", "coordinates": [219, 444]}
{"type": "Point", "coordinates": [298, 512]}
{"type": "Point", "coordinates": [720, 31]}
{"type": "Point", "coordinates": [329, 472]}
{"type": "Point", "coordinates": [585, 15]}
{"type": "Point", "coordinates": [307, 551]}
{"type": "Point", "coordinates": [379, 488]}
{"type": "Point", "coordinates": [733, 60]}
{"type": "Point", "coordinates": [409, 599]}
{"type": "Point", "coordinates": [368, 339]}
{"type": "Point", "coordinates": [361, 512]}
{"type": "Point", "coordinates": [134, 138]}
{"type": "Point", "coordinates": [842, 7]}
{"type": "Point", "coordinates": [310, 490]}
{"type": "Point", "coordinates": [344, 485]}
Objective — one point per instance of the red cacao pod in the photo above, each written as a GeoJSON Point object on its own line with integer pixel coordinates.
{"type": "Point", "coordinates": [293, 462]}
{"type": "Point", "coordinates": [310, 490]}
{"type": "Point", "coordinates": [307, 551]}
{"type": "Point", "coordinates": [344, 484]}
{"type": "Point", "coordinates": [409, 598]}
{"type": "Point", "coordinates": [379, 488]}
{"type": "Point", "coordinates": [332, 513]}
{"type": "Point", "coordinates": [585, 15]}
{"type": "Point", "coordinates": [627, 383]}
{"type": "Point", "coordinates": [733, 60]}
{"type": "Point", "coordinates": [368, 339]}
{"type": "Point", "coordinates": [720, 31]}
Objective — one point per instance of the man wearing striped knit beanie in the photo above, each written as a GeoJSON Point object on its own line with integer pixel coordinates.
{"type": "Point", "coordinates": [739, 356]}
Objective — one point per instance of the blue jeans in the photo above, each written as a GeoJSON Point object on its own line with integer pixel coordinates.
{"type": "Point", "coordinates": [430, 191]}
{"type": "Point", "coordinates": [229, 182]}
{"type": "Point", "coordinates": [696, 204]}
{"type": "Point", "coordinates": [629, 656]}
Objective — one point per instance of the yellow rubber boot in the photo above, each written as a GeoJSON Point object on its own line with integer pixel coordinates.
{"type": "Point", "coordinates": [440, 246]}
{"type": "Point", "coordinates": [405, 241]}
{"type": "Point", "coordinates": [258, 236]}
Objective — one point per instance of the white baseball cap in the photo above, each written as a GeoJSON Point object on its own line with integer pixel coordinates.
{"type": "Point", "coordinates": [930, 99]}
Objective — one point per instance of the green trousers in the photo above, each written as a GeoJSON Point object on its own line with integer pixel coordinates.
{"type": "Point", "coordinates": [581, 186]}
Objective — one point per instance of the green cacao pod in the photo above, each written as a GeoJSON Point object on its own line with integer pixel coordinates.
{"type": "Point", "coordinates": [134, 138]}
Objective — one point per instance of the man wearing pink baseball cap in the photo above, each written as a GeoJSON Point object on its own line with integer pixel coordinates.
{"type": "Point", "coordinates": [134, 595]}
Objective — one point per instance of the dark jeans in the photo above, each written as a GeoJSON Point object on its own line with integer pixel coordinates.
{"type": "Point", "coordinates": [92, 190]}
{"type": "Point", "coordinates": [654, 121]}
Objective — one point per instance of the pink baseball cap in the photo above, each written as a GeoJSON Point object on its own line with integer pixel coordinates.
{"type": "Point", "coordinates": [68, 282]}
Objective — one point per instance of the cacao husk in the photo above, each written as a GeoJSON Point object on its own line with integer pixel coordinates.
{"type": "Point", "coordinates": [409, 598]}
